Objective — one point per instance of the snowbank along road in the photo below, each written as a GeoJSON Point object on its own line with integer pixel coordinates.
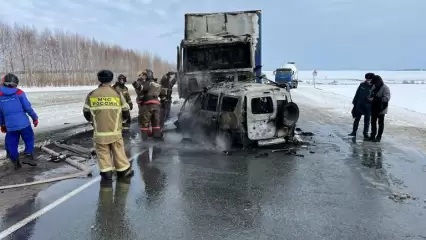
{"type": "Point", "coordinates": [59, 109]}
{"type": "Point", "coordinates": [333, 188]}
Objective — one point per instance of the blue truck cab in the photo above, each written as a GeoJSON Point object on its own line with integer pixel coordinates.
{"type": "Point", "coordinates": [287, 75]}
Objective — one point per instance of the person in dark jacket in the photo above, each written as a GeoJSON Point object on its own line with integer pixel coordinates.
{"type": "Point", "coordinates": [167, 83]}
{"type": "Point", "coordinates": [379, 98]}
{"type": "Point", "coordinates": [362, 106]}
{"type": "Point", "coordinates": [14, 107]}
{"type": "Point", "coordinates": [120, 86]}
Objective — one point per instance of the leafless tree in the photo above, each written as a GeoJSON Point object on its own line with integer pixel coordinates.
{"type": "Point", "coordinates": [59, 58]}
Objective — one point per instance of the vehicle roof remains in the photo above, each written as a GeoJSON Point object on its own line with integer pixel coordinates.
{"type": "Point", "coordinates": [242, 88]}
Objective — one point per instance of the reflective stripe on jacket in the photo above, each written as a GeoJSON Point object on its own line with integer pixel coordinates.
{"type": "Point", "coordinates": [106, 105]}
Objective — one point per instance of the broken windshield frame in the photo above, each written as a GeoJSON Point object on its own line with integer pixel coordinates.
{"type": "Point", "coordinates": [217, 57]}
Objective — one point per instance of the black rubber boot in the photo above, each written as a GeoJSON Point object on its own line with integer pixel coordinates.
{"type": "Point", "coordinates": [352, 134]}
{"type": "Point", "coordinates": [106, 177]}
{"type": "Point", "coordinates": [29, 159]}
{"type": "Point", "coordinates": [371, 138]}
{"type": "Point", "coordinates": [144, 135]}
{"type": "Point", "coordinates": [17, 164]}
{"type": "Point", "coordinates": [105, 183]}
{"type": "Point", "coordinates": [366, 137]}
{"type": "Point", "coordinates": [377, 139]}
{"type": "Point", "coordinates": [126, 174]}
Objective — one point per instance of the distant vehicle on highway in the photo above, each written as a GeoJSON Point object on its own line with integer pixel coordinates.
{"type": "Point", "coordinates": [287, 74]}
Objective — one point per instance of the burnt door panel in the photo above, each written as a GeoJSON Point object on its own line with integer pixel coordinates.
{"type": "Point", "coordinates": [208, 113]}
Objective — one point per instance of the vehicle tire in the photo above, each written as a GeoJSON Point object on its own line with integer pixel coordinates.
{"type": "Point", "coordinates": [288, 115]}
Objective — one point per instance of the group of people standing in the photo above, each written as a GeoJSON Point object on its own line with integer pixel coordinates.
{"type": "Point", "coordinates": [371, 100]}
{"type": "Point", "coordinates": [108, 109]}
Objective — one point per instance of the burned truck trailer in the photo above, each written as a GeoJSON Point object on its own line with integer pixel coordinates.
{"type": "Point", "coordinates": [219, 47]}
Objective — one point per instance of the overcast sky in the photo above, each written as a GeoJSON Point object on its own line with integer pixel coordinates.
{"type": "Point", "coordinates": [322, 34]}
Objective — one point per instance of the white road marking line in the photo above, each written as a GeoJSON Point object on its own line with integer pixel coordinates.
{"type": "Point", "coordinates": [51, 206]}
{"type": "Point", "coordinates": [46, 209]}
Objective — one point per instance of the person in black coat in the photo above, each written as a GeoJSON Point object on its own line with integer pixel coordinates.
{"type": "Point", "coordinates": [380, 97]}
{"type": "Point", "coordinates": [362, 106]}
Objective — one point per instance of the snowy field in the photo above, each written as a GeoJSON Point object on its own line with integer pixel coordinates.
{"type": "Point", "coordinates": [338, 99]}
{"type": "Point", "coordinates": [350, 77]}
{"type": "Point", "coordinates": [406, 98]}
{"type": "Point", "coordinates": [60, 107]}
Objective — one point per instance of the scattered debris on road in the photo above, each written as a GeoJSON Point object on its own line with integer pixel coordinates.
{"type": "Point", "coordinates": [398, 197]}
{"type": "Point", "coordinates": [289, 151]}
{"type": "Point", "coordinates": [283, 150]}
{"type": "Point", "coordinates": [76, 149]}
{"type": "Point", "coordinates": [86, 171]}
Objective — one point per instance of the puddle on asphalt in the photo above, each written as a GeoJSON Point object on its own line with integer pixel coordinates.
{"type": "Point", "coordinates": [15, 214]}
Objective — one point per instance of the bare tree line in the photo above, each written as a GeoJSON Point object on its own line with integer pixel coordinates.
{"type": "Point", "coordinates": [59, 58]}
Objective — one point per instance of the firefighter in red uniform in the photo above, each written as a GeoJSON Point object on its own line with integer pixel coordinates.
{"type": "Point", "coordinates": [150, 107]}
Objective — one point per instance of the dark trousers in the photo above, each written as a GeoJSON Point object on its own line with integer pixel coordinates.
{"type": "Point", "coordinates": [381, 120]}
{"type": "Point", "coordinates": [150, 114]}
{"type": "Point", "coordinates": [366, 123]}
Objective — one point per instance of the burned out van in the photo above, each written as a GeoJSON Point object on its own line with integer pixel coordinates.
{"type": "Point", "coordinates": [245, 113]}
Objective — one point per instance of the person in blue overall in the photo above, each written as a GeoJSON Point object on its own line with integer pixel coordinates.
{"type": "Point", "coordinates": [14, 121]}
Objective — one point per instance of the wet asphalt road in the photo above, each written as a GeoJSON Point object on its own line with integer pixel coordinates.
{"type": "Point", "coordinates": [339, 189]}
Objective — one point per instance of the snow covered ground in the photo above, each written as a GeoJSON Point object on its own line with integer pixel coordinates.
{"type": "Point", "coordinates": [406, 96]}
{"type": "Point", "coordinates": [390, 76]}
{"type": "Point", "coordinates": [406, 99]}
{"type": "Point", "coordinates": [406, 108]}
{"type": "Point", "coordinates": [60, 107]}
{"type": "Point", "coordinates": [59, 89]}
{"type": "Point", "coordinates": [352, 77]}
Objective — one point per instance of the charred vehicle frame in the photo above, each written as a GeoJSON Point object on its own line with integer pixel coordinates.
{"type": "Point", "coordinates": [240, 113]}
